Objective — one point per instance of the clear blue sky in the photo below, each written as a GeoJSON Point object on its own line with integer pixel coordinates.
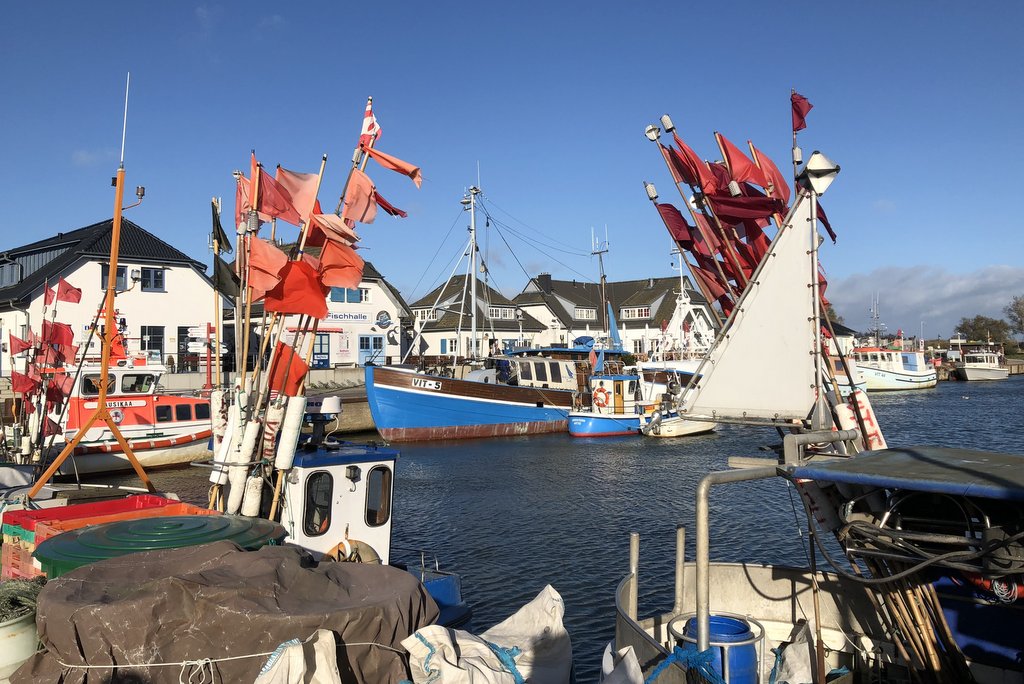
{"type": "Point", "coordinates": [920, 103]}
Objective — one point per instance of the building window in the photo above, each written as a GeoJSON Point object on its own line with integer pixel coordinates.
{"type": "Point", "coordinates": [153, 341]}
{"type": "Point", "coordinates": [501, 312]}
{"type": "Point", "coordinates": [153, 280]}
{"type": "Point", "coordinates": [635, 312]}
{"type": "Point", "coordinates": [426, 314]}
{"type": "Point", "coordinates": [122, 277]}
{"type": "Point", "coordinates": [356, 295]}
{"type": "Point", "coordinates": [638, 346]}
{"type": "Point", "coordinates": [585, 314]}
{"type": "Point", "coordinates": [378, 496]}
{"type": "Point", "coordinates": [316, 519]}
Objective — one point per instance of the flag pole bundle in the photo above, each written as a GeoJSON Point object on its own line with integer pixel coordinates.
{"type": "Point", "coordinates": [289, 285]}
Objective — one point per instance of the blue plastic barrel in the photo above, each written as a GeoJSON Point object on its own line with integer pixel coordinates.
{"type": "Point", "coordinates": [730, 630]}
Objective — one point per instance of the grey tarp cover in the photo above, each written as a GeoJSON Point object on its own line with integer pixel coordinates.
{"type": "Point", "coordinates": [215, 601]}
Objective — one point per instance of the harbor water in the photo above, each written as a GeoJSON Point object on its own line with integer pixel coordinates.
{"type": "Point", "coordinates": [512, 515]}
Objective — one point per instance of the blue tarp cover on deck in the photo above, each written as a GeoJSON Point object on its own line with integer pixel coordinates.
{"type": "Point", "coordinates": [942, 470]}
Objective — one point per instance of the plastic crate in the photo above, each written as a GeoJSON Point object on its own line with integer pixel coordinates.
{"type": "Point", "coordinates": [17, 563]}
{"type": "Point", "coordinates": [19, 527]}
{"type": "Point", "coordinates": [49, 528]}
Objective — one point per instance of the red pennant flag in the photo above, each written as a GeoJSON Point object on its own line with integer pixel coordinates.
{"type": "Point", "coordinates": [54, 392]}
{"type": "Point", "coordinates": [48, 295]}
{"type": "Point", "coordinates": [824, 221]}
{"type": "Point", "coordinates": [299, 292]}
{"type": "Point", "coordinates": [18, 345]}
{"type": "Point", "coordinates": [301, 188]}
{"type": "Point", "coordinates": [735, 209]}
{"type": "Point", "coordinates": [705, 238]}
{"type": "Point", "coordinates": [698, 169]}
{"type": "Point", "coordinates": [265, 264]}
{"type": "Point", "coordinates": [23, 383]}
{"type": "Point", "coordinates": [779, 186]}
{"type": "Point", "coordinates": [360, 204]}
{"type": "Point", "coordinates": [371, 130]}
{"type": "Point", "coordinates": [389, 207]}
{"type": "Point", "coordinates": [50, 427]}
{"type": "Point", "coordinates": [740, 166]}
{"type": "Point", "coordinates": [274, 200]}
{"type": "Point", "coordinates": [340, 266]}
{"type": "Point", "coordinates": [396, 164]}
{"type": "Point", "coordinates": [58, 333]}
{"type": "Point", "coordinates": [710, 281]}
{"type": "Point", "coordinates": [800, 109]}
{"type": "Point", "coordinates": [677, 226]}
{"type": "Point", "coordinates": [287, 370]}
{"type": "Point", "coordinates": [68, 293]}
{"type": "Point", "coordinates": [678, 166]}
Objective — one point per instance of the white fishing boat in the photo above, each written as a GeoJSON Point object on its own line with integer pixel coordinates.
{"type": "Point", "coordinates": [983, 365]}
{"type": "Point", "coordinates": [886, 369]}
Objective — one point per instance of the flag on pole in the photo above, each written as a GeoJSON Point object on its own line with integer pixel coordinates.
{"type": "Point", "coordinates": [265, 264]}
{"type": "Point", "coordinates": [224, 279]}
{"type": "Point", "coordinates": [299, 292]}
{"type": "Point", "coordinates": [218, 234]}
{"type": "Point", "coordinates": [301, 187]}
{"type": "Point", "coordinates": [677, 226]}
{"type": "Point", "coordinates": [371, 129]}
{"type": "Point", "coordinates": [824, 221]}
{"type": "Point", "coordinates": [18, 345]}
{"type": "Point", "coordinates": [58, 333]}
{"type": "Point", "coordinates": [780, 188]}
{"type": "Point", "coordinates": [66, 292]}
{"type": "Point", "coordinates": [23, 383]}
{"type": "Point", "coordinates": [340, 266]}
{"type": "Point", "coordinates": [740, 166]}
{"type": "Point", "coordinates": [48, 295]}
{"type": "Point", "coordinates": [800, 108]}
{"type": "Point", "coordinates": [395, 164]}
{"type": "Point", "coordinates": [389, 207]}
{"type": "Point", "coordinates": [360, 204]}
{"type": "Point", "coordinates": [335, 227]}
{"type": "Point", "coordinates": [287, 370]}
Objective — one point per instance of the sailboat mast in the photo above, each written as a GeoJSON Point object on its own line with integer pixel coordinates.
{"type": "Point", "coordinates": [599, 250]}
{"type": "Point", "coordinates": [473, 192]}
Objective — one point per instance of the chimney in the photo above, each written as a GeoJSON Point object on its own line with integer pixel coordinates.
{"type": "Point", "coordinates": [650, 284]}
{"type": "Point", "coordinates": [544, 281]}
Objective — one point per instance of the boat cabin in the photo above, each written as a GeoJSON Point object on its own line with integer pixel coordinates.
{"type": "Point", "coordinates": [618, 394]}
{"type": "Point", "coordinates": [530, 371]}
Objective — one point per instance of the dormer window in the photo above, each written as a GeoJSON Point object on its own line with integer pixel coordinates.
{"type": "Point", "coordinates": [635, 312]}
{"type": "Point", "coordinates": [585, 314]}
{"type": "Point", "coordinates": [501, 313]}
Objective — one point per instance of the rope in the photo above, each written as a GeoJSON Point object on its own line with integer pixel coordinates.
{"type": "Point", "coordinates": [691, 659]}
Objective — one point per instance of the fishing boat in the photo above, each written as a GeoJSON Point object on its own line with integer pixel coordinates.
{"type": "Point", "coordinates": [886, 369]}
{"type": "Point", "coordinates": [528, 392]}
{"type": "Point", "coordinates": [616, 407]}
{"type": "Point", "coordinates": [981, 365]}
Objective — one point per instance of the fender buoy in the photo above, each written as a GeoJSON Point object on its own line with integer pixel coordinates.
{"type": "Point", "coordinates": [601, 397]}
{"type": "Point", "coordinates": [354, 551]}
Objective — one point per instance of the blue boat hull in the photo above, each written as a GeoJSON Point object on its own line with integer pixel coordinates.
{"type": "Point", "coordinates": [586, 424]}
{"type": "Point", "coordinates": [414, 406]}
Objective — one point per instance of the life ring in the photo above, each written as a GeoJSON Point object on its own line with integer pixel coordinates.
{"type": "Point", "coordinates": [601, 397]}
{"type": "Point", "coordinates": [117, 415]}
{"type": "Point", "coordinates": [354, 551]}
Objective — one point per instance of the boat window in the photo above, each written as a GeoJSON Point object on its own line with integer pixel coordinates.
{"type": "Point", "coordinates": [202, 411]}
{"type": "Point", "coordinates": [542, 372]}
{"type": "Point", "coordinates": [378, 496]}
{"type": "Point", "coordinates": [183, 412]}
{"type": "Point", "coordinates": [632, 388]}
{"type": "Point", "coordinates": [316, 519]}
{"type": "Point", "coordinates": [163, 413]}
{"type": "Point", "coordinates": [91, 385]}
{"type": "Point", "coordinates": [874, 357]}
{"type": "Point", "coordinates": [556, 372]}
{"type": "Point", "coordinates": [526, 371]}
{"type": "Point", "coordinates": [137, 383]}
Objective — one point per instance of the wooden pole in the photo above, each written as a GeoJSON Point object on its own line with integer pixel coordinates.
{"type": "Point", "coordinates": [216, 298]}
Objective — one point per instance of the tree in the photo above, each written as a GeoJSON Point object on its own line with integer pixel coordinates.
{"type": "Point", "coordinates": [981, 328]}
{"type": "Point", "coordinates": [1015, 313]}
{"type": "Point", "coordinates": [832, 315]}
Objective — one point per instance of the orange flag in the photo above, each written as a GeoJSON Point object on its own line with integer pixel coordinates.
{"type": "Point", "coordinates": [287, 370]}
{"type": "Point", "coordinates": [299, 292]}
{"type": "Point", "coordinates": [360, 204]}
{"type": "Point", "coordinates": [335, 227]}
{"type": "Point", "coordinates": [301, 187]}
{"type": "Point", "coordinates": [396, 164]}
{"type": "Point", "coordinates": [265, 264]}
{"type": "Point", "coordinates": [340, 266]}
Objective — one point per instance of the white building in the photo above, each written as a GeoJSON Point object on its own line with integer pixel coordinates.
{"type": "Point", "coordinates": [162, 292]}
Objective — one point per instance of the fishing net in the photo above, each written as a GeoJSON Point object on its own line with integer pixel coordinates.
{"type": "Point", "coordinates": [18, 597]}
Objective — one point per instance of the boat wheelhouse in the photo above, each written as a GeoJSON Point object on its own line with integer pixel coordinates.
{"type": "Point", "coordinates": [983, 365]}
{"type": "Point", "coordinates": [894, 369]}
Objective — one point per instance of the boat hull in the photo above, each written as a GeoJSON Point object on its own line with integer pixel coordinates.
{"type": "Point", "coordinates": [152, 452]}
{"type": "Point", "coordinates": [590, 424]}
{"type": "Point", "coordinates": [680, 427]}
{"type": "Point", "coordinates": [878, 379]}
{"type": "Point", "coordinates": [976, 374]}
{"type": "Point", "coordinates": [415, 406]}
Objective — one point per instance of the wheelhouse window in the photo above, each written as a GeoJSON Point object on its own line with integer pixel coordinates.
{"type": "Point", "coordinates": [378, 496]}
{"type": "Point", "coordinates": [556, 372]}
{"type": "Point", "coordinates": [137, 383]}
{"type": "Point", "coordinates": [542, 372]}
{"type": "Point", "coordinates": [526, 371]}
{"type": "Point", "coordinates": [164, 414]}
{"type": "Point", "coordinates": [91, 385]}
{"type": "Point", "coordinates": [316, 518]}
{"type": "Point", "coordinates": [202, 411]}
{"type": "Point", "coordinates": [183, 412]}
{"type": "Point", "coordinates": [153, 280]}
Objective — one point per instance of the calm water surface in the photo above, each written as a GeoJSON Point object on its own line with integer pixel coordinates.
{"type": "Point", "coordinates": [512, 515]}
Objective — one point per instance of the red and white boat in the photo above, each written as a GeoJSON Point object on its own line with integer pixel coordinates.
{"type": "Point", "coordinates": [162, 429]}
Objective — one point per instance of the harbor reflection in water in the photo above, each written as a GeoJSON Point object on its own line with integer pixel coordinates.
{"type": "Point", "coordinates": [511, 515]}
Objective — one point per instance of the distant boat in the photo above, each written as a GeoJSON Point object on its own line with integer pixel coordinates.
{"type": "Point", "coordinates": [981, 366]}
{"type": "Point", "coordinates": [616, 407]}
{"type": "Point", "coordinates": [894, 369]}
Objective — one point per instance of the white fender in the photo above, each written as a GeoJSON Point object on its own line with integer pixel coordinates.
{"type": "Point", "coordinates": [219, 474]}
{"type": "Point", "coordinates": [237, 474]}
{"type": "Point", "coordinates": [253, 494]}
{"type": "Point", "coordinates": [290, 433]}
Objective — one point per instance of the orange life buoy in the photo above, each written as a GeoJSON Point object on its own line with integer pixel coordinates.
{"type": "Point", "coordinates": [601, 397]}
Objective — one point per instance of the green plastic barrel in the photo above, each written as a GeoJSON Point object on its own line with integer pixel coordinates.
{"type": "Point", "coordinates": [65, 552]}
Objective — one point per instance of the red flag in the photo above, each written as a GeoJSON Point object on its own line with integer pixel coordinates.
{"type": "Point", "coordinates": [677, 226]}
{"type": "Point", "coordinates": [340, 266]}
{"type": "Point", "coordinates": [301, 188]}
{"type": "Point", "coordinates": [274, 200]}
{"type": "Point", "coordinates": [335, 227]}
{"type": "Point", "coordinates": [705, 238]}
{"type": "Point", "coordinates": [779, 186]}
{"type": "Point", "coordinates": [68, 293]}
{"type": "Point", "coordinates": [710, 281]}
{"type": "Point", "coordinates": [678, 166]}
{"type": "Point", "coordinates": [58, 333]}
{"type": "Point", "coordinates": [48, 295]}
{"type": "Point", "coordinates": [23, 383]}
{"type": "Point", "coordinates": [55, 392]}
{"type": "Point", "coordinates": [740, 166]}
{"type": "Point", "coordinates": [389, 207]}
{"type": "Point", "coordinates": [50, 427]}
{"type": "Point", "coordinates": [287, 370]}
{"type": "Point", "coordinates": [18, 345]}
{"type": "Point", "coordinates": [360, 204]}
{"type": "Point", "coordinates": [396, 164]}
{"type": "Point", "coordinates": [824, 221]}
{"type": "Point", "coordinates": [800, 108]}
{"type": "Point", "coordinates": [735, 209]}
{"type": "Point", "coordinates": [592, 358]}
{"type": "Point", "coordinates": [265, 256]}
{"type": "Point", "coordinates": [371, 130]}
{"type": "Point", "coordinates": [299, 292]}
{"type": "Point", "coordinates": [698, 169]}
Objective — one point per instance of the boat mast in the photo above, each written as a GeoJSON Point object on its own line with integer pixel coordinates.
{"type": "Point", "coordinates": [599, 249]}
{"type": "Point", "coordinates": [473, 192]}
